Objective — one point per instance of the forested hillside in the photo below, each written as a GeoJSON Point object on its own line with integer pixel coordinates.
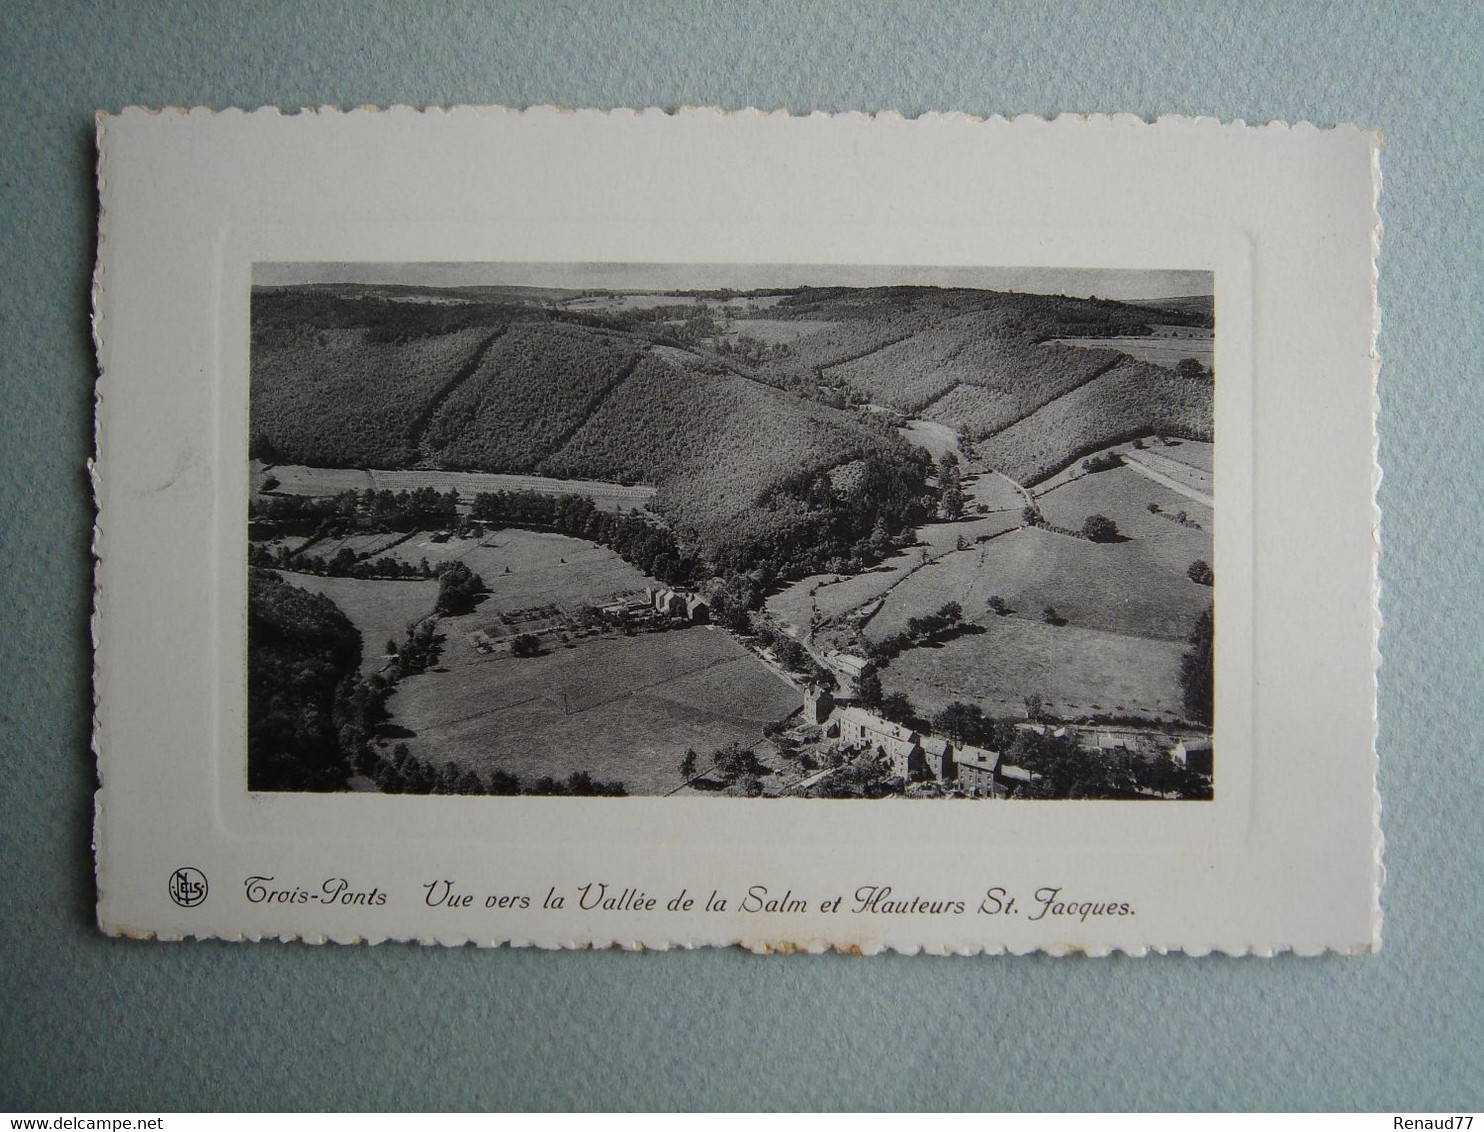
{"type": "Point", "coordinates": [533, 387]}
{"type": "Point", "coordinates": [740, 433]}
{"type": "Point", "coordinates": [303, 653]}
{"type": "Point", "coordinates": [1131, 400]}
{"type": "Point", "coordinates": [724, 452]}
{"type": "Point", "coordinates": [985, 364]}
{"type": "Point", "coordinates": [340, 398]}
{"type": "Point", "coordinates": [997, 378]}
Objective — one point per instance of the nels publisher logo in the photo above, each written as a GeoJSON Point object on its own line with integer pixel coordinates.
{"type": "Point", "coordinates": [188, 887]}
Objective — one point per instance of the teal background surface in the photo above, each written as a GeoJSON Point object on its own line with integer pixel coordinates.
{"type": "Point", "coordinates": [88, 1023]}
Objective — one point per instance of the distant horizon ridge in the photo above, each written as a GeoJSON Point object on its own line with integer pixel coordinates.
{"type": "Point", "coordinates": [1114, 284]}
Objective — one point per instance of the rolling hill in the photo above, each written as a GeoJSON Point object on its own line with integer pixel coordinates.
{"type": "Point", "coordinates": [1131, 400]}
{"type": "Point", "coordinates": [987, 365]}
{"type": "Point", "coordinates": [741, 444]}
{"type": "Point", "coordinates": [532, 388]}
{"type": "Point", "coordinates": [742, 467]}
{"type": "Point", "coordinates": [339, 398]}
{"type": "Point", "coordinates": [1001, 378]}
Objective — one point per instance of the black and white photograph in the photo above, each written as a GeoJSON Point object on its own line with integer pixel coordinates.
{"type": "Point", "coordinates": [740, 531]}
{"type": "Point", "coordinates": [579, 554]}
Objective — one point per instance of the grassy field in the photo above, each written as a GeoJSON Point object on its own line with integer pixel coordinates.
{"type": "Point", "coordinates": [776, 331]}
{"type": "Point", "coordinates": [1178, 475]}
{"type": "Point", "coordinates": [1117, 587]}
{"type": "Point", "coordinates": [1123, 495]}
{"type": "Point", "coordinates": [1191, 452]}
{"type": "Point", "coordinates": [938, 538]}
{"type": "Point", "coordinates": [544, 568]}
{"type": "Point", "coordinates": [621, 708]}
{"type": "Point", "coordinates": [995, 491]}
{"type": "Point", "coordinates": [1077, 671]}
{"type": "Point", "coordinates": [1156, 349]}
{"type": "Point", "coordinates": [831, 595]}
{"type": "Point", "coordinates": [937, 438]}
{"type": "Point", "coordinates": [379, 609]}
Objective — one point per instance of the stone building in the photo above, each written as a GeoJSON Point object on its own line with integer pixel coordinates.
{"type": "Point", "coordinates": [1195, 755]}
{"type": "Point", "coordinates": [818, 705]}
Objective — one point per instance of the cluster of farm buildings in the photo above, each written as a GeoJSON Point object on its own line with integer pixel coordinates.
{"type": "Point", "coordinates": [663, 602]}
{"type": "Point", "coordinates": [653, 606]}
{"type": "Point", "coordinates": [915, 756]}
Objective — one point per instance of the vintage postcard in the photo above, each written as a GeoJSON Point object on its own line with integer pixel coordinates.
{"type": "Point", "coordinates": [579, 529]}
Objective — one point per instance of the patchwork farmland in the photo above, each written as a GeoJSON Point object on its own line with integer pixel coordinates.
{"type": "Point", "coordinates": [621, 709]}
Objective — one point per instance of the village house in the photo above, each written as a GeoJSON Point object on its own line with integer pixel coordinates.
{"type": "Point", "coordinates": [818, 704]}
{"type": "Point", "coordinates": [673, 603]}
{"type": "Point", "coordinates": [668, 603]}
{"type": "Point", "coordinates": [1194, 755]}
{"type": "Point", "coordinates": [978, 773]}
{"type": "Point", "coordinates": [1111, 741]}
{"type": "Point", "coordinates": [939, 759]}
{"type": "Point", "coordinates": [912, 755]}
{"type": "Point", "coordinates": [900, 745]}
{"type": "Point", "coordinates": [846, 665]}
{"type": "Point", "coordinates": [1012, 778]}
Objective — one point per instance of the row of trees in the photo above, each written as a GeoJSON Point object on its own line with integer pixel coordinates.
{"type": "Point", "coordinates": [374, 509]}
{"type": "Point", "coordinates": [921, 629]}
{"type": "Point", "coordinates": [458, 586]}
{"type": "Point", "coordinates": [1063, 768]}
{"type": "Point", "coordinates": [1095, 528]}
{"type": "Point", "coordinates": [645, 544]}
{"type": "Point", "coordinates": [951, 497]}
{"type": "Point", "coordinates": [1104, 463]}
{"type": "Point", "coordinates": [402, 772]}
{"type": "Point", "coordinates": [344, 563]}
{"type": "Point", "coordinates": [418, 651]}
{"type": "Point", "coordinates": [1198, 671]}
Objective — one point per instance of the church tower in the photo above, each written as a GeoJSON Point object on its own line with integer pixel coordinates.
{"type": "Point", "coordinates": [818, 703]}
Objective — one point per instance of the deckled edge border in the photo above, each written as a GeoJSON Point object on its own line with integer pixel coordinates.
{"type": "Point", "coordinates": [757, 946]}
{"type": "Point", "coordinates": [95, 546]}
